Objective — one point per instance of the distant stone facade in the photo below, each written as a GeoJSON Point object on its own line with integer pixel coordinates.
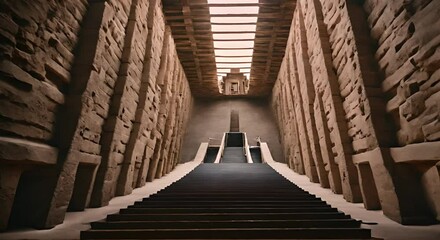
{"type": "Point", "coordinates": [94, 103]}
{"type": "Point", "coordinates": [360, 118]}
{"type": "Point", "coordinates": [234, 83]}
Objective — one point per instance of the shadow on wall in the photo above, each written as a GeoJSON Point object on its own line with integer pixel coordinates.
{"type": "Point", "coordinates": [211, 118]}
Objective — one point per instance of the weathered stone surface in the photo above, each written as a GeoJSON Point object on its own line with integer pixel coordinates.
{"type": "Point", "coordinates": [332, 105]}
{"type": "Point", "coordinates": [408, 53]}
{"type": "Point", "coordinates": [18, 151]}
{"type": "Point", "coordinates": [80, 88]}
{"type": "Point", "coordinates": [38, 40]}
{"type": "Point", "coordinates": [9, 177]}
{"type": "Point", "coordinates": [326, 87]}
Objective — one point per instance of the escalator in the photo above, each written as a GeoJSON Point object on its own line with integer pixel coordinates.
{"type": "Point", "coordinates": [211, 154]}
{"type": "Point", "coordinates": [234, 151]}
{"type": "Point", "coordinates": [256, 154]}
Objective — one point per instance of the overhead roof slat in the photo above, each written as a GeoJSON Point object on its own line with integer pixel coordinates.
{"type": "Point", "coordinates": [190, 22]}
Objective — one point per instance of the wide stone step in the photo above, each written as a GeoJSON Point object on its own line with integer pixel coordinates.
{"type": "Point", "coordinates": [139, 210]}
{"type": "Point", "coordinates": [226, 192]}
{"type": "Point", "coordinates": [232, 203]}
{"type": "Point", "coordinates": [281, 184]}
{"type": "Point", "coordinates": [229, 198]}
{"type": "Point", "coordinates": [229, 201]}
{"type": "Point", "coordinates": [219, 200]}
{"type": "Point", "coordinates": [332, 223]}
{"type": "Point", "coordinates": [229, 193]}
{"type": "Point", "coordinates": [226, 216]}
{"type": "Point", "coordinates": [233, 233]}
{"type": "Point", "coordinates": [195, 205]}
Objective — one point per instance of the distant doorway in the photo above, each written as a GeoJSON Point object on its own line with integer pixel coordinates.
{"type": "Point", "coordinates": [235, 122]}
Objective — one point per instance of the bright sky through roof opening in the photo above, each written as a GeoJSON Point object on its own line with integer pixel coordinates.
{"type": "Point", "coordinates": [226, 28]}
{"type": "Point", "coordinates": [234, 60]}
{"type": "Point", "coordinates": [233, 36]}
{"type": "Point", "coordinates": [227, 10]}
{"type": "Point", "coordinates": [247, 52]}
{"type": "Point", "coordinates": [241, 44]}
{"type": "Point", "coordinates": [230, 53]}
{"type": "Point", "coordinates": [250, 20]}
{"type": "Point", "coordinates": [232, 1]}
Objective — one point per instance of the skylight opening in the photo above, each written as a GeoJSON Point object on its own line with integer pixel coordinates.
{"type": "Point", "coordinates": [234, 44]}
{"type": "Point", "coordinates": [227, 10]}
{"type": "Point", "coordinates": [238, 20]}
{"type": "Point", "coordinates": [238, 52]}
{"type": "Point", "coordinates": [233, 59]}
{"type": "Point", "coordinates": [234, 65]}
{"type": "Point", "coordinates": [229, 70]}
{"type": "Point", "coordinates": [233, 35]}
{"type": "Point", "coordinates": [232, 1]}
{"type": "Point", "coordinates": [229, 28]}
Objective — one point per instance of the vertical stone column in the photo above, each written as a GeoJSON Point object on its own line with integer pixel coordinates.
{"type": "Point", "coordinates": [360, 92]}
{"type": "Point", "coordinates": [121, 113]}
{"type": "Point", "coordinates": [304, 82]}
{"type": "Point", "coordinates": [164, 81]}
{"type": "Point", "coordinates": [291, 122]}
{"type": "Point", "coordinates": [142, 140]}
{"type": "Point", "coordinates": [384, 123]}
{"type": "Point", "coordinates": [185, 102]}
{"type": "Point", "coordinates": [136, 51]}
{"type": "Point", "coordinates": [286, 112]}
{"type": "Point", "coordinates": [94, 74]}
{"type": "Point", "coordinates": [170, 113]}
{"type": "Point", "coordinates": [293, 82]}
{"type": "Point", "coordinates": [177, 113]}
{"type": "Point", "coordinates": [326, 84]}
{"type": "Point", "coordinates": [431, 181]}
{"type": "Point", "coordinates": [326, 147]}
{"type": "Point", "coordinates": [9, 177]}
{"type": "Point", "coordinates": [283, 103]}
{"type": "Point", "coordinates": [37, 46]}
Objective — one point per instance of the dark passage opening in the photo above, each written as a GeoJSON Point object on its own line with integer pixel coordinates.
{"type": "Point", "coordinates": [234, 140]}
{"type": "Point", "coordinates": [235, 123]}
{"type": "Point", "coordinates": [82, 187]}
{"type": "Point", "coordinates": [256, 154]}
{"type": "Point", "coordinates": [32, 198]}
{"type": "Point", "coordinates": [211, 154]}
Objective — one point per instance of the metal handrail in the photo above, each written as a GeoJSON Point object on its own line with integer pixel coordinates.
{"type": "Point", "coordinates": [201, 152]}
{"type": "Point", "coordinates": [221, 149]}
{"type": "Point", "coordinates": [266, 156]}
{"type": "Point", "coordinates": [247, 152]}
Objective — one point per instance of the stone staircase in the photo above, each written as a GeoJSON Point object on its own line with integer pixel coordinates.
{"type": "Point", "coordinates": [229, 201]}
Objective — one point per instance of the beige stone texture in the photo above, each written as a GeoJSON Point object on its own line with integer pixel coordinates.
{"type": "Point", "coordinates": [362, 118]}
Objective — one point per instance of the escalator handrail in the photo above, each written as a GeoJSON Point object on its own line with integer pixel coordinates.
{"type": "Point", "coordinates": [247, 152]}
{"type": "Point", "coordinates": [221, 149]}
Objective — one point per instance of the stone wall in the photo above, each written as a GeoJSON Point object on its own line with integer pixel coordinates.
{"type": "Point", "coordinates": [356, 101]}
{"type": "Point", "coordinates": [408, 57]}
{"type": "Point", "coordinates": [91, 92]}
